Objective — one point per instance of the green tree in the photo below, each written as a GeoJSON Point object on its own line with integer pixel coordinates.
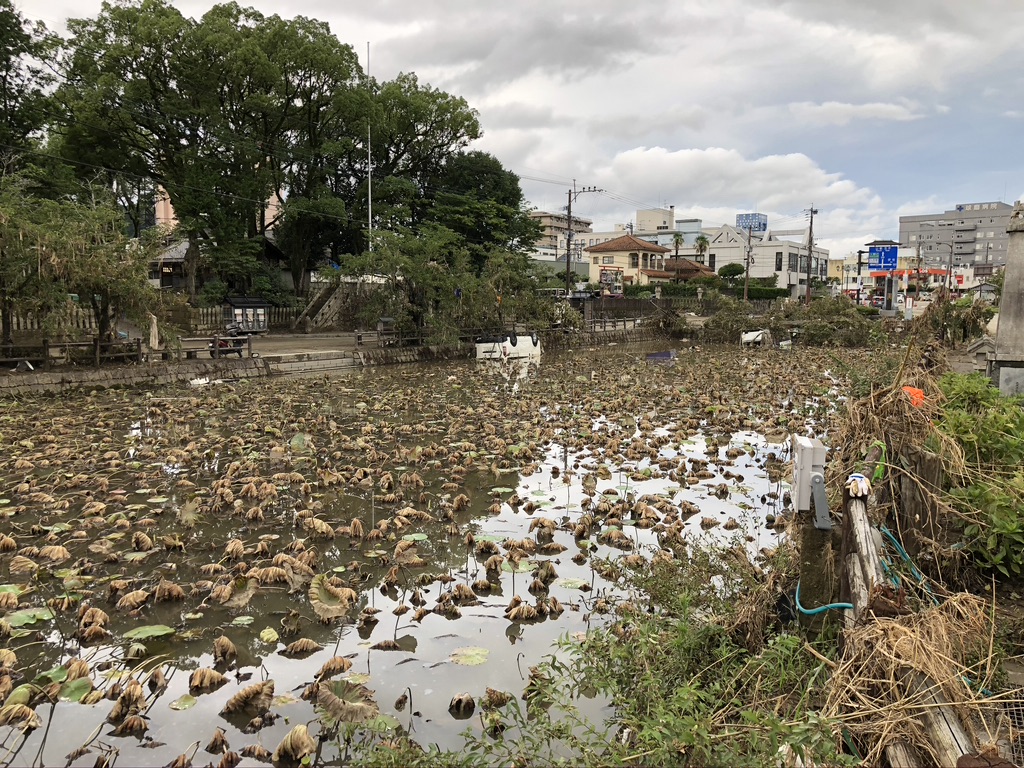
{"type": "Point", "coordinates": [24, 81]}
{"type": "Point", "coordinates": [481, 201]}
{"type": "Point", "coordinates": [415, 129]}
{"type": "Point", "coordinates": [91, 256]}
{"type": "Point", "coordinates": [26, 280]}
{"type": "Point", "coordinates": [701, 245]}
{"type": "Point", "coordinates": [729, 272]}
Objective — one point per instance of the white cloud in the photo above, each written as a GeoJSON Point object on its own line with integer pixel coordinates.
{"type": "Point", "coordinates": [840, 113]}
{"type": "Point", "coordinates": [867, 109]}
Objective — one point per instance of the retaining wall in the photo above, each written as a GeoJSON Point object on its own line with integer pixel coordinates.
{"type": "Point", "coordinates": [72, 378]}
{"type": "Point", "coordinates": [58, 382]}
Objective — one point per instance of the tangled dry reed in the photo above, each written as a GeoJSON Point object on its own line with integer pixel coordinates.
{"type": "Point", "coordinates": [890, 670]}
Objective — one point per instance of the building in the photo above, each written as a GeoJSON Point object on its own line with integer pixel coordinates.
{"type": "Point", "coordinates": [656, 219]}
{"type": "Point", "coordinates": [554, 228]}
{"type": "Point", "coordinates": [755, 222]}
{"type": "Point", "coordinates": [627, 260]}
{"type": "Point", "coordinates": [911, 271]}
{"type": "Point", "coordinates": [973, 233]}
{"type": "Point", "coordinates": [779, 253]}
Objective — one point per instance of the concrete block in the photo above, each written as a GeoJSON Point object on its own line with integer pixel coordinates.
{"type": "Point", "coordinates": [1011, 380]}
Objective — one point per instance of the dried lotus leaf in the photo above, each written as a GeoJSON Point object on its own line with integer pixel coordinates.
{"type": "Point", "coordinates": [218, 743]}
{"type": "Point", "coordinates": [223, 650]}
{"type": "Point", "coordinates": [133, 725]}
{"type": "Point", "coordinates": [235, 549]}
{"type": "Point", "coordinates": [92, 615]}
{"type": "Point", "coordinates": [20, 566]}
{"type": "Point", "coordinates": [302, 646]}
{"type": "Point", "coordinates": [132, 600]}
{"type": "Point", "coordinates": [20, 715]}
{"type": "Point", "coordinates": [205, 679]}
{"type": "Point", "coordinates": [168, 590]}
{"type": "Point", "coordinates": [54, 553]}
{"type": "Point", "coordinates": [253, 699]}
{"type": "Point", "coordinates": [328, 601]}
{"type": "Point", "coordinates": [295, 746]}
{"type": "Point", "coordinates": [333, 666]}
{"type": "Point", "coordinates": [346, 702]}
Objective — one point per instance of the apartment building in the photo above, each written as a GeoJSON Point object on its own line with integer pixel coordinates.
{"type": "Point", "coordinates": [973, 233]}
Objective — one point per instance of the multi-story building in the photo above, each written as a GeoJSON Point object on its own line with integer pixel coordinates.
{"type": "Point", "coordinates": [971, 233]}
{"type": "Point", "coordinates": [782, 253]}
{"type": "Point", "coordinates": [779, 253]}
{"type": "Point", "coordinates": [554, 228]}
{"type": "Point", "coordinates": [627, 260]}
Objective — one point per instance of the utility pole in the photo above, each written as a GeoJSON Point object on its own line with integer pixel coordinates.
{"type": "Point", "coordinates": [746, 279]}
{"type": "Point", "coordinates": [860, 263]}
{"type": "Point", "coordinates": [917, 279]}
{"type": "Point", "coordinates": [572, 195]}
{"type": "Point", "coordinates": [810, 252]}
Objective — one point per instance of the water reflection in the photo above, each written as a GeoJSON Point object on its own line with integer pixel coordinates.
{"type": "Point", "coordinates": [513, 372]}
{"type": "Point", "coordinates": [271, 502]}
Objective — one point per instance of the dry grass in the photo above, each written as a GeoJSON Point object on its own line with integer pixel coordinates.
{"type": "Point", "coordinates": [878, 689]}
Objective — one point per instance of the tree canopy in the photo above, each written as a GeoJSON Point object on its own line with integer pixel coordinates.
{"type": "Point", "coordinates": [265, 135]}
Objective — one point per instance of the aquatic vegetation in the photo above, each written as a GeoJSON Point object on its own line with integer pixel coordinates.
{"type": "Point", "coordinates": [245, 543]}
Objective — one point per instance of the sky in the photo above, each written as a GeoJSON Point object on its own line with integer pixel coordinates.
{"type": "Point", "coordinates": [864, 109]}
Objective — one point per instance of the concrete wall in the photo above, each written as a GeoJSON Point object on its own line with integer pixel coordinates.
{"type": "Point", "coordinates": [72, 378]}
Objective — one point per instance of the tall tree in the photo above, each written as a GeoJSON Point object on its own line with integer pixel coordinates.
{"type": "Point", "coordinates": [701, 245]}
{"type": "Point", "coordinates": [23, 83]}
{"type": "Point", "coordinates": [26, 283]}
{"type": "Point", "coordinates": [414, 129]}
{"type": "Point", "coordinates": [477, 198]}
{"type": "Point", "coordinates": [91, 255]}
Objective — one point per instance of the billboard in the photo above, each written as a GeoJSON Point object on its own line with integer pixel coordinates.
{"type": "Point", "coordinates": [611, 282]}
{"type": "Point", "coordinates": [883, 257]}
{"type": "Point", "coordinates": [755, 222]}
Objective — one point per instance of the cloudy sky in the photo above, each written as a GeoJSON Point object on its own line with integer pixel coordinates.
{"type": "Point", "coordinates": [867, 109]}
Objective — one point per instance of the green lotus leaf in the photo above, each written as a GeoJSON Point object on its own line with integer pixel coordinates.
{"type": "Point", "coordinates": [148, 631]}
{"type": "Point", "coordinates": [74, 690]}
{"type": "Point", "coordinates": [469, 656]}
{"type": "Point", "coordinates": [27, 616]}
{"type": "Point", "coordinates": [183, 702]}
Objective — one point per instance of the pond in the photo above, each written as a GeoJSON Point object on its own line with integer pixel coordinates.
{"type": "Point", "coordinates": [202, 570]}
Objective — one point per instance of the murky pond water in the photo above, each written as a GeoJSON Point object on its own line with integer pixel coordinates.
{"type": "Point", "coordinates": [391, 539]}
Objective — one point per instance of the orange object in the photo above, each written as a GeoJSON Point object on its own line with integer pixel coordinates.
{"type": "Point", "coordinates": [916, 396]}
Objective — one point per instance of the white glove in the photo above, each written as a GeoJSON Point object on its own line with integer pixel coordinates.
{"type": "Point", "coordinates": [858, 485]}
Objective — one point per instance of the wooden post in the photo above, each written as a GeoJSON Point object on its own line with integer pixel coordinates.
{"type": "Point", "coordinates": [96, 350]}
{"type": "Point", "coordinates": [138, 351]}
{"type": "Point", "coordinates": [249, 340]}
{"type": "Point", "coordinates": [916, 514]}
{"type": "Point", "coordinates": [46, 354]}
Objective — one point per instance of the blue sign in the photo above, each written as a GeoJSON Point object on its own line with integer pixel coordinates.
{"type": "Point", "coordinates": [883, 257]}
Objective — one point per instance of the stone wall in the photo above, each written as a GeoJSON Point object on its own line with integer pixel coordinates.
{"type": "Point", "coordinates": [71, 378]}
{"type": "Point", "coordinates": [552, 340]}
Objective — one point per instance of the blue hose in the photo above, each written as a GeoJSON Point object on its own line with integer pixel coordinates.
{"type": "Point", "coordinates": [906, 558]}
{"type": "Point", "coordinates": [822, 609]}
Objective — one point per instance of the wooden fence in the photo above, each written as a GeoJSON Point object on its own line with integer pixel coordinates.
{"type": "Point", "coordinates": [93, 352]}
{"type": "Point", "coordinates": [78, 319]}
